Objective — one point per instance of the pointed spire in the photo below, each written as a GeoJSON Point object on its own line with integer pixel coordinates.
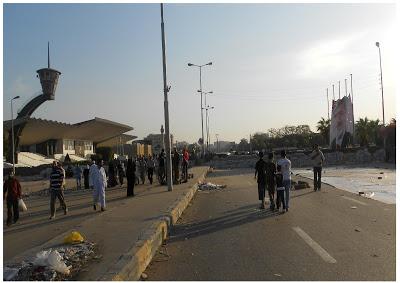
{"type": "Point", "coordinates": [48, 54]}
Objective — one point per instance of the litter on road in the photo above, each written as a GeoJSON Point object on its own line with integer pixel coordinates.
{"type": "Point", "coordinates": [209, 186]}
{"type": "Point", "coordinates": [57, 264]}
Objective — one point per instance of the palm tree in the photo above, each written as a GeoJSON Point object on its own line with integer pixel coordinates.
{"type": "Point", "coordinates": [323, 128]}
{"type": "Point", "coordinates": [362, 131]}
{"type": "Point", "coordinates": [373, 131]}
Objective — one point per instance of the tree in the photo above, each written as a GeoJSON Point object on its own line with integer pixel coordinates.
{"type": "Point", "coordinates": [323, 128]}
{"type": "Point", "coordinates": [362, 131]}
{"type": "Point", "coordinates": [373, 132]}
{"type": "Point", "coordinates": [243, 145]}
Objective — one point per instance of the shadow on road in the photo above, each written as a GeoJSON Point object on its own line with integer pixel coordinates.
{"type": "Point", "coordinates": [243, 216]}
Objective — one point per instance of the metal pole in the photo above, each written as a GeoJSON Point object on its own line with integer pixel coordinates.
{"type": "Point", "coordinates": [327, 99]}
{"type": "Point", "coordinates": [250, 142]}
{"type": "Point", "coordinates": [345, 86]}
{"type": "Point", "coordinates": [339, 89]}
{"type": "Point", "coordinates": [12, 136]}
{"type": "Point", "coordinates": [383, 104]}
{"type": "Point", "coordinates": [216, 135]}
{"type": "Point", "coordinates": [202, 123]}
{"type": "Point", "coordinates": [333, 91]}
{"type": "Point", "coordinates": [166, 113]}
{"type": "Point", "coordinates": [352, 102]}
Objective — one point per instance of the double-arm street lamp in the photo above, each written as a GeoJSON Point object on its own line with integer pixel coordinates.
{"type": "Point", "coordinates": [380, 65]}
{"type": "Point", "coordinates": [12, 133]}
{"type": "Point", "coordinates": [201, 102]}
{"type": "Point", "coordinates": [205, 103]}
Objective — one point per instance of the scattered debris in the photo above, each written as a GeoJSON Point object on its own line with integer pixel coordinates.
{"type": "Point", "coordinates": [366, 195]}
{"type": "Point", "coordinates": [379, 178]}
{"type": "Point", "coordinates": [353, 207]}
{"type": "Point", "coordinates": [57, 264]}
{"type": "Point", "coordinates": [373, 220]}
{"type": "Point", "coordinates": [144, 276]}
{"type": "Point", "coordinates": [357, 229]}
{"type": "Point", "coordinates": [73, 238]}
{"type": "Point", "coordinates": [374, 255]}
{"type": "Point", "coordinates": [381, 173]}
{"type": "Point", "coordinates": [210, 186]}
{"type": "Point", "coordinates": [278, 274]}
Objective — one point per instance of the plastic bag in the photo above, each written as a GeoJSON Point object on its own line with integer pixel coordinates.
{"type": "Point", "coordinates": [41, 258]}
{"type": "Point", "coordinates": [21, 205]}
{"type": "Point", "coordinates": [73, 237]}
{"type": "Point", "coordinates": [55, 261]}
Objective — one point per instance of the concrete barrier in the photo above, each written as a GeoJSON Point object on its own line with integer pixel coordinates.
{"type": "Point", "coordinates": [131, 265]}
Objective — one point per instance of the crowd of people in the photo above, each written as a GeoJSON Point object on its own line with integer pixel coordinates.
{"type": "Point", "coordinates": [276, 177]}
{"type": "Point", "coordinates": [96, 177]}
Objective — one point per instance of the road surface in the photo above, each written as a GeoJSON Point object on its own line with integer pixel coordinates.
{"type": "Point", "coordinates": [326, 235]}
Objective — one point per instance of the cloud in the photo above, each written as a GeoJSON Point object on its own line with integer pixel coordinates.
{"type": "Point", "coordinates": [327, 56]}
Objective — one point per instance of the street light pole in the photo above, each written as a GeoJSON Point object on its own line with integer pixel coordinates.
{"type": "Point", "coordinates": [208, 125]}
{"type": "Point", "coordinates": [327, 99]}
{"type": "Point", "coordinates": [166, 113]}
{"type": "Point", "coordinates": [216, 135]}
{"type": "Point", "coordinates": [201, 103]}
{"type": "Point", "coordinates": [12, 133]}
{"type": "Point", "coordinates": [380, 65]}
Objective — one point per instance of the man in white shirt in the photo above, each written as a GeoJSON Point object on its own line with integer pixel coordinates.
{"type": "Point", "coordinates": [317, 158]}
{"type": "Point", "coordinates": [286, 167]}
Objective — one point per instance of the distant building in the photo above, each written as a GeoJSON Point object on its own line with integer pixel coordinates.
{"type": "Point", "coordinates": [156, 141]}
{"type": "Point", "coordinates": [56, 139]}
{"type": "Point", "coordinates": [223, 146]}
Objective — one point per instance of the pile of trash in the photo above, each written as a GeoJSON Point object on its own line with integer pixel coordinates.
{"type": "Point", "coordinates": [209, 187]}
{"type": "Point", "coordinates": [61, 263]}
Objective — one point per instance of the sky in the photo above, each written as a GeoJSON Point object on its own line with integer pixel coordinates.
{"type": "Point", "coordinates": [271, 63]}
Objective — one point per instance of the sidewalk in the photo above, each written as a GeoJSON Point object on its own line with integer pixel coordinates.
{"type": "Point", "coordinates": [117, 231]}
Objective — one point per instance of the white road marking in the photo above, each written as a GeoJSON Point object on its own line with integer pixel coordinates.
{"type": "Point", "coordinates": [354, 200]}
{"type": "Point", "coordinates": [315, 246]}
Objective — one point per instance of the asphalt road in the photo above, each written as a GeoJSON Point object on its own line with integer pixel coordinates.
{"type": "Point", "coordinates": [34, 227]}
{"type": "Point", "coordinates": [326, 235]}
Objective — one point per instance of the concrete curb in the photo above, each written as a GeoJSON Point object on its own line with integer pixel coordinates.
{"type": "Point", "coordinates": [131, 264]}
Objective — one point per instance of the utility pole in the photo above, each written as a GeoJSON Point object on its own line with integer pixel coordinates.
{"type": "Point", "coordinates": [333, 91]}
{"type": "Point", "coordinates": [166, 113]}
{"type": "Point", "coordinates": [345, 86]}
{"type": "Point", "coordinates": [327, 99]}
{"type": "Point", "coordinates": [250, 142]}
{"type": "Point", "coordinates": [352, 103]}
{"type": "Point", "coordinates": [339, 89]}
{"type": "Point", "coordinates": [380, 65]}
{"type": "Point", "coordinates": [216, 135]}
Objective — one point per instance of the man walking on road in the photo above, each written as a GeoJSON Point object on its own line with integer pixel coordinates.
{"type": "Point", "coordinates": [150, 169]}
{"type": "Point", "coordinates": [56, 189]}
{"type": "Point", "coordinates": [12, 188]}
{"type": "Point", "coordinates": [286, 167]}
{"type": "Point", "coordinates": [78, 176]}
{"type": "Point", "coordinates": [175, 165]}
{"type": "Point", "coordinates": [261, 176]}
{"type": "Point", "coordinates": [185, 164]}
{"type": "Point", "coordinates": [317, 158]}
{"type": "Point", "coordinates": [271, 170]}
{"type": "Point", "coordinates": [130, 177]}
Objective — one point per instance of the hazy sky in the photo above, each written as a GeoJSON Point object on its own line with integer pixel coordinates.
{"type": "Point", "coordinates": [271, 65]}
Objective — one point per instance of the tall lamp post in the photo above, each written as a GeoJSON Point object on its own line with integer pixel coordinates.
{"type": "Point", "coordinates": [205, 103]}
{"type": "Point", "coordinates": [201, 102]}
{"type": "Point", "coordinates": [208, 125]}
{"type": "Point", "coordinates": [12, 133]}
{"type": "Point", "coordinates": [166, 113]}
{"type": "Point", "coordinates": [380, 65]}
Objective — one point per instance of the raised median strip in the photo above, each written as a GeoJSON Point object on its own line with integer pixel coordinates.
{"type": "Point", "coordinates": [131, 265]}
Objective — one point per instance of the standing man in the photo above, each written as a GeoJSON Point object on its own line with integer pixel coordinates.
{"type": "Point", "coordinates": [12, 188]}
{"type": "Point", "coordinates": [92, 174]}
{"type": "Point", "coordinates": [100, 184]}
{"type": "Point", "coordinates": [261, 176]}
{"type": "Point", "coordinates": [150, 169]}
{"type": "Point", "coordinates": [121, 173]}
{"type": "Point", "coordinates": [175, 165]}
{"type": "Point", "coordinates": [86, 176]}
{"type": "Point", "coordinates": [271, 170]}
{"type": "Point", "coordinates": [185, 164]}
{"type": "Point", "coordinates": [57, 189]}
{"type": "Point", "coordinates": [317, 158]}
{"type": "Point", "coordinates": [78, 176]}
{"type": "Point", "coordinates": [286, 166]}
{"type": "Point", "coordinates": [161, 167]}
{"type": "Point", "coordinates": [130, 178]}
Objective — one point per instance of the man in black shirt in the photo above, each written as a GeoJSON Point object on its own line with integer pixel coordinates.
{"type": "Point", "coordinates": [260, 173]}
{"type": "Point", "coordinates": [270, 171]}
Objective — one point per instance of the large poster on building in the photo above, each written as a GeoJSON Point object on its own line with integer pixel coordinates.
{"type": "Point", "coordinates": [342, 129]}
